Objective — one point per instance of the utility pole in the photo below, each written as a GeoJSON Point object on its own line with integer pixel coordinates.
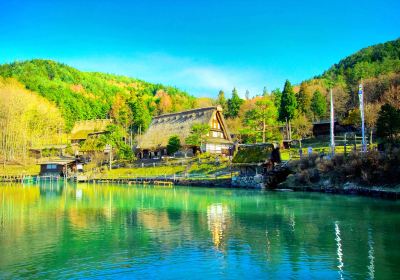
{"type": "Point", "coordinates": [110, 153]}
{"type": "Point", "coordinates": [361, 98]}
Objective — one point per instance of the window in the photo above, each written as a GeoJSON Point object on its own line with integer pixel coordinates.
{"type": "Point", "coordinates": [51, 166]}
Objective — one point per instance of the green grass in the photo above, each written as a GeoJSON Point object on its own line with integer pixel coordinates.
{"type": "Point", "coordinates": [143, 171]}
{"type": "Point", "coordinates": [12, 170]}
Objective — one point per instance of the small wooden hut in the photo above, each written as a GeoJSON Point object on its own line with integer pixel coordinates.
{"type": "Point", "coordinates": [254, 162]}
{"type": "Point", "coordinates": [154, 141]}
{"type": "Point", "coordinates": [58, 167]}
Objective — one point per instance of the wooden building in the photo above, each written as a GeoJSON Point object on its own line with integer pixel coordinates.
{"type": "Point", "coordinates": [154, 141]}
{"type": "Point", "coordinates": [58, 167]}
{"type": "Point", "coordinates": [70, 168]}
{"type": "Point", "coordinates": [254, 162]}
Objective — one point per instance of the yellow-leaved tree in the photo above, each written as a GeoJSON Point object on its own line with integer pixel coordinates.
{"type": "Point", "coordinates": [26, 120]}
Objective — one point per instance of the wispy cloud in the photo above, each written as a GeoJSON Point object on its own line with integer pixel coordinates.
{"type": "Point", "coordinates": [197, 77]}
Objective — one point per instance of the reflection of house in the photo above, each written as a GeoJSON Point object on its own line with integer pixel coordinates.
{"type": "Point", "coordinates": [156, 138]}
{"type": "Point", "coordinates": [217, 219]}
{"type": "Point", "coordinates": [253, 162]}
{"type": "Point", "coordinates": [90, 128]}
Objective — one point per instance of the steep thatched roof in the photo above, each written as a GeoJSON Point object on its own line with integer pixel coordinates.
{"type": "Point", "coordinates": [82, 129]}
{"type": "Point", "coordinates": [253, 154]}
{"type": "Point", "coordinates": [180, 124]}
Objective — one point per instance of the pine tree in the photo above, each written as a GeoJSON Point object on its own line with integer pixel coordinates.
{"type": "Point", "coordinates": [234, 104]}
{"type": "Point", "coordinates": [221, 100]}
{"type": "Point", "coordinates": [287, 110]}
{"type": "Point", "coordinates": [247, 95]}
{"type": "Point", "coordinates": [265, 92]}
{"type": "Point", "coordinates": [303, 101]}
{"type": "Point", "coordinates": [277, 96]}
{"type": "Point", "coordinates": [318, 104]}
{"type": "Point", "coordinates": [388, 123]}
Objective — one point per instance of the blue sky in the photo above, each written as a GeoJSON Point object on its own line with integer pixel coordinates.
{"type": "Point", "coordinates": [198, 46]}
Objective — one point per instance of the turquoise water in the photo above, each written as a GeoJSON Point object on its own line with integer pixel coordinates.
{"type": "Point", "coordinates": [134, 232]}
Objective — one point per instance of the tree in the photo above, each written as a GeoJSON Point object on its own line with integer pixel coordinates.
{"type": "Point", "coordinates": [221, 100]}
{"type": "Point", "coordinates": [164, 102]}
{"type": "Point", "coordinates": [115, 135]}
{"type": "Point", "coordinates": [174, 144]}
{"type": "Point", "coordinates": [303, 100]}
{"type": "Point", "coordinates": [353, 118]}
{"type": "Point", "coordinates": [287, 110]}
{"type": "Point", "coordinates": [141, 114]}
{"type": "Point", "coordinates": [302, 127]}
{"type": "Point", "coordinates": [277, 96]}
{"type": "Point", "coordinates": [121, 112]}
{"type": "Point", "coordinates": [262, 116]}
{"type": "Point", "coordinates": [234, 104]}
{"type": "Point", "coordinates": [247, 94]}
{"type": "Point", "coordinates": [198, 135]}
{"type": "Point", "coordinates": [318, 104]}
{"type": "Point", "coordinates": [371, 113]}
{"type": "Point", "coordinates": [388, 123]}
{"type": "Point", "coordinates": [265, 92]}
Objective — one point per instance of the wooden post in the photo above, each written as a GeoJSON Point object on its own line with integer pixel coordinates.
{"type": "Point", "coordinates": [355, 143]}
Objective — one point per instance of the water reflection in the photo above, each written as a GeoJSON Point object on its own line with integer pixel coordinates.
{"type": "Point", "coordinates": [217, 219]}
{"type": "Point", "coordinates": [371, 266]}
{"type": "Point", "coordinates": [339, 251]}
{"type": "Point", "coordinates": [84, 230]}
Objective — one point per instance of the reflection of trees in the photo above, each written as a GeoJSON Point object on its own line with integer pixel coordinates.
{"type": "Point", "coordinates": [143, 222]}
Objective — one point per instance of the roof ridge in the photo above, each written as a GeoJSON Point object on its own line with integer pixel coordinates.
{"type": "Point", "coordinates": [187, 111]}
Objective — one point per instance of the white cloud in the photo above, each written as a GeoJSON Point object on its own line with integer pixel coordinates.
{"type": "Point", "coordinates": [197, 77]}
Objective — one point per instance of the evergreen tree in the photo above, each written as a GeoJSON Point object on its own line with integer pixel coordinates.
{"type": "Point", "coordinates": [277, 96]}
{"type": "Point", "coordinates": [141, 114]}
{"type": "Point", "coordinates": [234, 104]}
{"type": "Point", "coordinates": [221, 100]}
{"type": "Point", "coordinates": [388, 123]}
{"type": "Point", "coordinates": [318, 104]}
{"type": "Point", "coordinates": [303, 101]}
{"type": "Point", "coordinates": [287, 110]}
{"type": "Point", "coordinates": [265, 92]}
{"type": "Point", "coordinates": [174, 144]}
{"type": "Point", "coordinates": [247, 95]}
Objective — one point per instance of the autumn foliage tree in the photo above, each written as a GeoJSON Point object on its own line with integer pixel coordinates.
{"type": "Point", "coordinates": [26, 120]}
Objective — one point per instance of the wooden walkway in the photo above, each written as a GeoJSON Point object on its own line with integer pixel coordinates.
{"type": "Point", "coordinates": [134, 181]}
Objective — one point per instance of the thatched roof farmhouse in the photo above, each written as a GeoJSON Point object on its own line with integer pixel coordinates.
{"type": "Point", "coordinates": [163, 127]}
{"type": "Point", "coordinates": [83, 129]}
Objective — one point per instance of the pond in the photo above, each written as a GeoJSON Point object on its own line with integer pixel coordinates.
{"type": "Point", "coordinates": [110, 231]}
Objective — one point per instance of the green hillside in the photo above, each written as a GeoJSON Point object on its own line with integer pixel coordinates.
{"type": "Point", "coordinates": [367, 63]}
{"type": "Point", "coordinates": [86, 95]}
{"type": "Point", "coordinates": [377, 67]}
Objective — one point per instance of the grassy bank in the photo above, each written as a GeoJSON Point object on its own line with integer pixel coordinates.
{"type": "Point", "coordinates": [12, 170]}
{"type": "Point", "coordinates": [204, 165]}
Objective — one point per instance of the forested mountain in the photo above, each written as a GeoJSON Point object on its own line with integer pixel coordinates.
{"type": "Point", "coordinates": [86, 95]}
{"type": "Point", "coordinates": [376, 67]}
{"type": "Point", "coordinates": [367, 63]}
